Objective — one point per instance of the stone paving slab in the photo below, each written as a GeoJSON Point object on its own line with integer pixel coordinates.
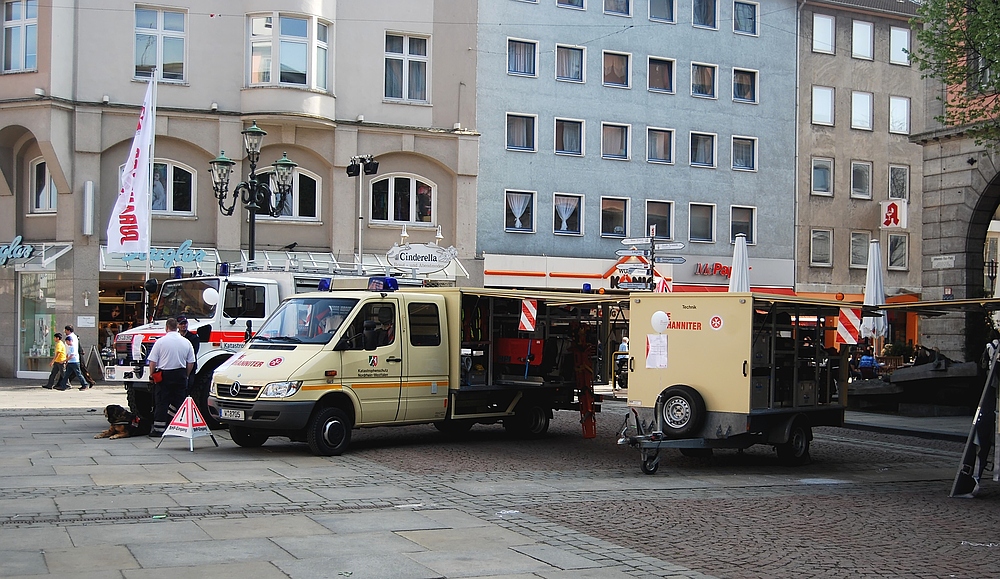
{"type": "Point", "coordinates": [207, 552]}
{"type": "Point", "coordinates": [90, 558]}
{"type": "Point", "coordinates": [477, 562]}
{"type": "Point", "coordinates": [556, 557]}
{"type": "Point", "coordinates": [248, 570]}
{"type": "Point", "coordinates": [394, 520]}
{"type": "Point", "coordinates": [371, 566]}
{"type": "Point", "coordinates": [125, 533]}
{"type": "Point", "coordinates": [273, 526]}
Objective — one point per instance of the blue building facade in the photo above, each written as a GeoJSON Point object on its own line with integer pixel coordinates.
{"type": "Point", "coordinates": [600, 118]}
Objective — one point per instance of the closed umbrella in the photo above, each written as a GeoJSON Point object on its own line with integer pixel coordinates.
{"type": "Point", "coordinates": [874, 326]}
{"type": "Point", "coordinates": [739, 276]}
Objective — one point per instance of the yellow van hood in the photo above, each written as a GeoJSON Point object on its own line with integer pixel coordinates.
{"type": "Point", "coordinates": [261, 366]}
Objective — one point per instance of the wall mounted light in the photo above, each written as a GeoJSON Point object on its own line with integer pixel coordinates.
{"type": "Point", "coordinates": [215, 106]}
{"type": "Point", "coordinates": [86, 298]}
{"type": "Point", "coordinates": [105, 99]}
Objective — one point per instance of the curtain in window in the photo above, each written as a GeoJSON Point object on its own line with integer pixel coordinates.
{"type": "Point", "coordinates": [620, 6]}
{"type": "Point", "coordinates": [661, 9]}
{"type": "Point", "coordinates": [569, 63]}
{"type": "Point", "coordinates": [659, 75]}
{"type": "Point", "coordinates": [418, 81]}
{"type": "Point", "coordinates": [568, 137]}
{"type": "Point", "coordinates": [518, 202]}
{"type": "Point", "coordinates": [743, 86]}
{"type": "Point", "coordinates": [659, 145]}
{"type": "Point", "coordinates": [520, 132]}
{"type": "Point", "coordinates": [704, 12]}
{"type": "Point", "coordinates": [613, 142]}
{"type": "Point", "coordinates": [393, 78]}
{"type": "Point", "coordinates": [521, 57]}
{"type": "Point", "coordinates": [565, 207]}
{"type": "Point", "coordinates": [701, 149]}
{"type": "Point", "coordinates": [746, 17]}
{"type": "Point", "coordinates": [703, 80]}
{"type": "Point", "coordinates": [743, 154]}
{"type": "Point", "coordinates": [401, 199]}
{"type": "Point", "coordinates": [615, 69]}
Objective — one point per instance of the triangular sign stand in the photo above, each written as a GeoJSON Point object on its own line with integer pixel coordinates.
{"type": "Point", "coordinates": [188, 423]}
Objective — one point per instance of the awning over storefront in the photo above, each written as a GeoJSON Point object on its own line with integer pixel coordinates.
{"type": "Point", "coordinates": [43, 256]}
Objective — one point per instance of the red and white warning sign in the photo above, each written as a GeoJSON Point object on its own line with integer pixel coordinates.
{"type": "Point", "coordinates": [848, 325]}
{"type": "Point", "coordinates": [529, 309]}
{"type": "Point", "coordinates": [188, 423]}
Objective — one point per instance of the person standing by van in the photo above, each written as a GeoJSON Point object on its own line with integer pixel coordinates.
{"type": "Point", "coordinates": [58, 363]}
{"type": "Point", "coordinates": [182, 329]}
{"type": "Point", "coordinates": [72, 361]}
{"type": "Point", "coordinates": [172, 356]}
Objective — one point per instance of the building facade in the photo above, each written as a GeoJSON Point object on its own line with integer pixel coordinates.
{"type": "Point", "coordinates": [327, 81]}
{"type": "Point", "coordinates": [602, 118]}
{"type": "Point", "coordinates": [859, 175]}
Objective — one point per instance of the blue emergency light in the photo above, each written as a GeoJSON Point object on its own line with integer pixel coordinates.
{"type": "Point", "coordinates": [222, 269]}
{"type": "Point", "coordinates": [382, 284]}
{"type": "Point", "coordinates": [324, 284]}
{"type": "Point", "coordinates": [178, 272]}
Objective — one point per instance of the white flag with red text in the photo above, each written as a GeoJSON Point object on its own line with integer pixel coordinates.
{"type": "Point", "coordinates": [128, 228]}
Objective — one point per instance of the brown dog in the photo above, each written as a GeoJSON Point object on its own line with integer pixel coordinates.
{"type": "Point", "coordinates": [123, 423]}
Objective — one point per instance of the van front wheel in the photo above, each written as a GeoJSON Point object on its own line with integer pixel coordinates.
{"type": "Point", "coordinates": [329, 432]}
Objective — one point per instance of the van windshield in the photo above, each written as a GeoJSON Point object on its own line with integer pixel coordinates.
{"type": "Point", "coordinates": [306, 320]}
{"type": "Point", "coordinates": [195, 298]}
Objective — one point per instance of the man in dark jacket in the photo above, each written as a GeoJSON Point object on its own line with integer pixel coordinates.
{"type": "Point", "coordinates": [182, 329]}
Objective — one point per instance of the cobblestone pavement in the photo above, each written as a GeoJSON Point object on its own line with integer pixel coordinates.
{"type": "Point", "coordinates": [869, 505]}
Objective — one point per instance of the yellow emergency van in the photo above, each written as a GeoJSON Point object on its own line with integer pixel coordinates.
{"type": "Point", "coordinates": [730, 370]}
{"type": "Point", "coordinates": [327, 362]}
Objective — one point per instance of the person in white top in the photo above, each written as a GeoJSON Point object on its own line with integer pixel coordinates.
{"type": "Point", "coordinates": [72, 361]}
{"type": "Point", "coordinates": [173, 356]}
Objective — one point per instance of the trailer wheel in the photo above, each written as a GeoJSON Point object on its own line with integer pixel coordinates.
{"type": "Point", "coordinates": [795, 452]}
{"type": "Point", "coordinates": [683, 411]}
{"type": "Point", "coordinates": [246, 437]}
{"type": "Point", "coordinates": [650, 463]}
{"type": "Point", "coordinates": [696, 452]}
{"type": "Point", "coordinates": [530, 420]}
{"type": "Point", "coordinates": [329, 432]}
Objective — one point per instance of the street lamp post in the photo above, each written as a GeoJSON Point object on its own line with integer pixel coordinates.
{"type": "Point", "coordinates": [255, 193]}
{"type": "Point", "coordinates": [991, 272]}
{"type": "Point", "coordinates": [369, 165]}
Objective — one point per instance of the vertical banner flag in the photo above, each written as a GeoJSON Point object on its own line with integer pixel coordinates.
{"type": "Point", "coordinates": [128, 228]}
{"type": "Point", "coordinates": [529, 308]}
{"type": "Point", "coordinates": [848, 325]}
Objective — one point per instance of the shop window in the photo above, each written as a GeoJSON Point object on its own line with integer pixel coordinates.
{"type": "Point", "coordinates": [38, 320]}
{"type": "Point", "coordinates": [402, 199]}
{"type": "Point", "coordinates": [43, 188]}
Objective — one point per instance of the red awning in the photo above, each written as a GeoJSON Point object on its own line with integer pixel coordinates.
{"type": "Point", "coordinates": [781, 291]}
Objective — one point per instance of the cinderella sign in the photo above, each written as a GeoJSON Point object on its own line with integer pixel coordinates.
{"type": "Point", "coordinates": [421, 257]}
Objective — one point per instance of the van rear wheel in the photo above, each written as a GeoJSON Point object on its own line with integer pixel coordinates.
{"type": "Point", "coordinates": [530, 420]}
{"type": "Point", "coordinates": [329, 432]}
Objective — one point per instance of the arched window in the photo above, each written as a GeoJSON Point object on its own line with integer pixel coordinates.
{"type": "Point", "coordinates": [403, 199]}
{"type": "Point", "coordinates": [41, 188]}
{"type": "Point", "coordinates": [303, 202]}
{"type": "Point", "coordinates": [174, 188]}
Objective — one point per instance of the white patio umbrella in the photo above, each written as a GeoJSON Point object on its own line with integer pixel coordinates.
{"type": "Point", "coordinates": [739, 277]}
{"type": "Point", "coordinates": [874, 327]}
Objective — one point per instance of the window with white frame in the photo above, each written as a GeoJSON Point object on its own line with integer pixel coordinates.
{"type": "Point", "coordinates": [567, 211]}
{"type": "Point", "coordinates": [43, 188]}
{"type": "Point", "coordinates": [659, 145]}
{"type": "Point", "coordinates": [742, 220]}
{"type": "Point", "coordinates": [744, 153]}
{"type": "Point", "coordinates": [822, 105]}
{"type": "Point", "coordinates": [619, 7]}
{"type": "Point", "coordinates": [569, 63]}
{"type": "Point", "coordinates": [520, 132]}
{"type": "Point", "coordinates": [569, 137]}
{"type": "Point", "coordinates": [862, 40]}
{"type": "Point", "coordinates": [159, 43]}
{"type": "Point", "coordinates": [899, 115]}
{"type": "Point", "coordinates": [403, 199]}
{"type": "Point", "coordinates": [824, 29]}
{"type": "Point", "coordinates": [519, 211]}
{"type": "Point", "coordinates": [744, 85]}
{"type": "Point", "coordinates": [614, 217]}
{"type": "Point", "coordinates": [662, 10]}
{"type": "Point", "coordinates": [821, 247]}
{"type": "Point", "coordinates": [703, 80]}
{"type": "Point", "coordinates": [899, 182]}
{"type": "Point", "coordinates": [617, 69]}
{"type": "Point", "coordinates": [173, 188]}
{"type": "Point", "coordinates": [861, 180]}
{"type": "Point", "coordinates": [701, 222]}
{"type": "Point", "coordinates": [822, 177]}
{"type": "Point", "coordinates": [522, 57]}
{"type": "Point", "coordinates": [20, 35]}
{"type": "Point", "coordinates": [296, 53]}
{"type": "Point", "coordinates": [406, 65]}
{"type": "Point", "coordinates": [704, 13]}
{"type": "Point", "coordinates": [660, 214]}
{"type": "Point", "coordinates": [899, 46]}
{"type": "Point", "coordinates": [702, 149]}
{"type": "Point", "coordinates": [660, 77]}
{"type": "Point", "coordinates": [570, 3]}
{"type": "Point", "coordinates": [898, 251]}
{"type": "Point", "coordinates": [745, 17]}
{"type": "Point", "coordinates": [861, 110]}
{"type": "Point", "coordinates": [614, 141]}
{"type": "Point", "coordinates": [302, 202]}
{"type": "Point", "coordinates": [859, 248]}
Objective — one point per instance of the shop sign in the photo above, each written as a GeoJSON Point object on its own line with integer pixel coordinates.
{"type": "Point", "coordinates": [894, 213]}
{"type": "Point", "coordinates": [713, 269]}
{"type": "Point", "coordinates": [421, 257]}
{"type": "Point", "coordinates": [169, 256]}
{"type": "Point", "coordinates": [14, 250]}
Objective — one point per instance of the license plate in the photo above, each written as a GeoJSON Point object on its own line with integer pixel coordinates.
{"type": "Point", "coordinates": [109, 373]}
{"type": "Point", "coordinates": [232, 414]}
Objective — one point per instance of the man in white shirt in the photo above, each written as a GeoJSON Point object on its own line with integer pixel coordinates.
{"type": "Point", "coordinates": [72, 361]}
{"type": "Point", "coordinates": [173, 356]}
